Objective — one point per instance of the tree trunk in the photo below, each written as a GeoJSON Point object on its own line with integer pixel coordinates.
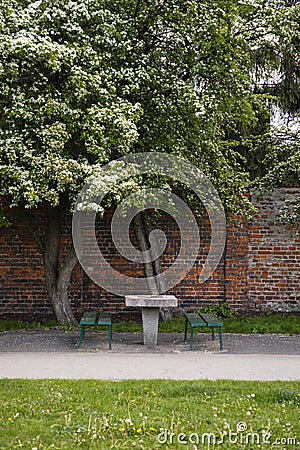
{"type": "Point", "coordinates": [143, 227]}
{"type": "Point", "coordinates": [57, 275]}
{"type": "Point", "coordinates": [143, 246]}
{"type": "Point", "coordinates": [164, 313]}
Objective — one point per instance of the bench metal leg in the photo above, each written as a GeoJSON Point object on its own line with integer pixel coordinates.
{"type": "Point", "coordinates": [220, 337]}
{"type": "Point", "coordinates": [191, 338]}
{"type": "Point", "coordinates": [213, 333]}
{"type": "Point", "coordinates": [185, 330]}
{"type": "Point", "coordinates": [82, 333]}
{"type": "Point", "coordinates": [110, 336]}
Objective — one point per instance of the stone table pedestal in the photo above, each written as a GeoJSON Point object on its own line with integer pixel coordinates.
{"type": "Point", "coordinates": [150, 305]}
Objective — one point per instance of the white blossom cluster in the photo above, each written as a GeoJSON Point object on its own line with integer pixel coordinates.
{"type": "Point", "coordinates": [85, 82]}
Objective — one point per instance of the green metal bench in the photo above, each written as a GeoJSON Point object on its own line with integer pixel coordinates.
{"type": "Point", "coordinates": [202, 320]}
{"type": "Point", "coordinates": [92, 318]}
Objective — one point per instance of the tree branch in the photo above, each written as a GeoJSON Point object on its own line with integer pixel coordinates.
{"type": "Point", "coordinates": [143, 245]}
{"type": "Point", "coordinates": [69, 264]}
{"type": "Point", "coordinates": [31, 230]}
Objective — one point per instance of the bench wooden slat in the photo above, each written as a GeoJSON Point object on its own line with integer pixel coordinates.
{"type": "Point", "coordinates": [195, 320]}
{"type": "Point", "coordinates": [88, 318]}
{"type": "Point", "coordinates": [211, 320]}
{"type": "Point", "coordinates": [104, 318]}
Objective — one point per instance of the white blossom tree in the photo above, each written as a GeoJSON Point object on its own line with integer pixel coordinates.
{"type": "Point", "coordinates": [85, 82]}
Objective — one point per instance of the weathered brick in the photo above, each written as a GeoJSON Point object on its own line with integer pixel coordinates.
{"type": "Point", "coordinates": [259, 272]}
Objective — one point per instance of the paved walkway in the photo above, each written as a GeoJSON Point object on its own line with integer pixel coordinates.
{"type": "Point", "coordinates": [55, 354]}
{"type": "Point", "coordinates": [119, 366]}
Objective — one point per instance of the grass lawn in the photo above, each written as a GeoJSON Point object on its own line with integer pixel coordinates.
{"type": "Point", "coordinates": [159, 414]}
{"type": "Point", "coordinates": [285, 324]}
{"type": "Point", "coordinates": [269, 323]}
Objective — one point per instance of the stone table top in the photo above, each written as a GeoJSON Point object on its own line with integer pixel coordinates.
{"type": "Point", "coordinates": [151, 301]}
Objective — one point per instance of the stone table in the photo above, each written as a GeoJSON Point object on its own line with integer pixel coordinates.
{"type": "Point", "coordinates": [150, 305]}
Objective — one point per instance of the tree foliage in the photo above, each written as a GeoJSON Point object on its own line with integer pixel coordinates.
{"type": "Point", "coordinates": [275, 156]}
{"type": "Point", "coordinates": [85, 82]}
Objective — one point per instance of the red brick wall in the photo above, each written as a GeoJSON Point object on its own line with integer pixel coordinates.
{"type": "Point", "coordinates": [273, 257]}
{"type": "Point", "coordinates": [259, 272]}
